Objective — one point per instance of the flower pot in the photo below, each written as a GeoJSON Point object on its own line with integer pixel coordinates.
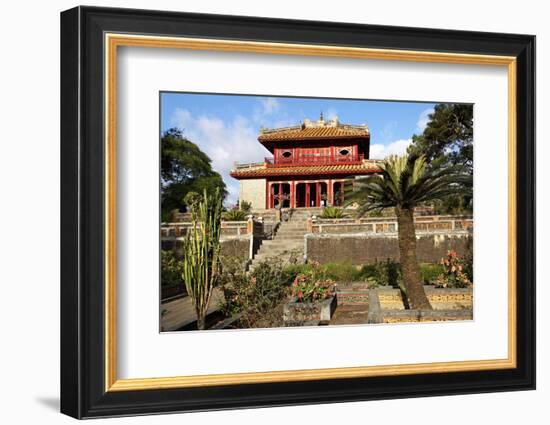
{"type": "Point", "coordinates": [309, 314]}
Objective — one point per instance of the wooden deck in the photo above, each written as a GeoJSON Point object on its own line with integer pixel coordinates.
{"type": "Point", "coordinates": [181, 312]}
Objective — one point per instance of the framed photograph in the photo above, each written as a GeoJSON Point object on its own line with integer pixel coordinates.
{"type": "Point", "coordinates": [261, 212]}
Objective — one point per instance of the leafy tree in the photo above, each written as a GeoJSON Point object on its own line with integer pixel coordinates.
{"type": "Point", "coordinates": [184, 168]}
{"type": "Point", "coordinates": [449, 134]}
{"type": "Point", "coordinates": [448, 138]}
{"type": "Point", "coordinates": [405, 182]}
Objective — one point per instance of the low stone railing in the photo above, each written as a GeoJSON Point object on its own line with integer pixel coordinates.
{"type": "Point", "coordinates": [388, 224]}
{"type": "Point", "coordinates": [177, 230]}
{"type": "Point", "coordinates": [252, 226]}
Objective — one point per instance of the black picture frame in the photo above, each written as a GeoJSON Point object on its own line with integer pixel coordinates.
{"type": "Point", "coordinates": [83, 392]}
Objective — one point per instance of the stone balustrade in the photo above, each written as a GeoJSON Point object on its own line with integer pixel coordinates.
{"type": "Point", "coordinates": [388, 224]}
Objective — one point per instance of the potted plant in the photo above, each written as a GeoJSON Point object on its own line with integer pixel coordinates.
{"type": "Point", "coordinates": [312, 299]}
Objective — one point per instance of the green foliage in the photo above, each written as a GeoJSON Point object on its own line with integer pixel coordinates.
{"type": "Point", "coordinates": [448, 138]}
{"type": "Point", "coordinates": [171, 269]}
{"type": "Point", "coordinates": [378, 274]}
{"type": "Point", "coordinates": [449, 134]}
{"type": "Point", "coordinates": [201, 265]}
{"type": "Point", "coordinates": [382, 273]}
{"type": "Point", "coordinates": [312, 285]}
{"type": "Point", "coordinates": [235, 215]}
{"type": "Point", "coordinates": [246, 206]}
{"type": "Point", "coordinates": [344, 272]}
{"type": "Point", "coordinates": [375, 213]}
{"type": "Point", "coordinates": [407, 181]}
{"type": "Point", "coordinates": [257, 297]}
{"type": "Point", "coordinates": [453, 275]}
{"type": "Point", "coordinates": [332, 212]}
{"type": "Point", "coordinates": [192, 201]}
{"type": "Point", "coordinates": [184, 168]}
{"type": "Point", "coordinates": [468, 265]}
{"type": "Point", "coordinates": [430, 272]}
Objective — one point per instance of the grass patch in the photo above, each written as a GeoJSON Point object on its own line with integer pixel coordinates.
{"type": "Point", "coordinates": [383, 273]}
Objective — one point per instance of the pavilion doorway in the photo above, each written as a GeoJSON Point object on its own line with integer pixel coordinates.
{"type": "Point", "coordinates": [280, 195]}
{"type": "Point", "coordinates": [338, 194]}
{"type": "Point", "coordinates": [311, 194]}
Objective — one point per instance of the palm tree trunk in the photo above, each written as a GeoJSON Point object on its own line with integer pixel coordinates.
{"type": "Point", "coordinates": [409, 265]}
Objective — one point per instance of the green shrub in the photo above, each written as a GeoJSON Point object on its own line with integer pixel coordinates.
{"type": "Point", "coordinates": [235, 215]}
{"type": "Point", "coordinates": [453, 275]}
{"type": "Point", "coordinates": [382, 273]}
{"type": "Point", "coordinates": [430, 272]}
{"type": "Point", "coordinates": [258, 297]}
{"type": "Point", "coordinates": [342, 272]}
{"type": "Point", "coordinates": [171, 269]}
{"type": "Point", "coordinates": [332, 212]}
{"type": "Point", "coordinates": [293, 270]}
{"type": "Point", "coordinates": [312, 286]}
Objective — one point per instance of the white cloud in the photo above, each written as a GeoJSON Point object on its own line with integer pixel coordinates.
{"type": "Point", "coordinates": [399, 147]}
{"type": "Point", "coordinates": [386, 133]}
{"type": "Point", "coordinates": [331, 114]}
{"type": "Point", "coordinates": [269, 105]}
{"type": "Point", "coordinates": [225, 142]}
{"type": "Point", "coordinates": [424, 119]}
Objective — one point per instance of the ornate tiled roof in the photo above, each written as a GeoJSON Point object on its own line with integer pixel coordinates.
{"type": "Point", "coordinates": [366, 167]}
{"type": "Point", "coordinates": [310, 130]}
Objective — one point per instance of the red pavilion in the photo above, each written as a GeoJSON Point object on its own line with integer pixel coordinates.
{"type": "Point", "coordinates": [309, 166]}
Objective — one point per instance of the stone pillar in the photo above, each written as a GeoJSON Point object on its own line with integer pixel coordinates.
{"type": "Point", "coordinates": [250, 225]}
{"type": "Point", "coordinates": [309, 225]}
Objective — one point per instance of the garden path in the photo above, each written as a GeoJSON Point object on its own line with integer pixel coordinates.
{"type": "Point", "coordinates": [180, 312]}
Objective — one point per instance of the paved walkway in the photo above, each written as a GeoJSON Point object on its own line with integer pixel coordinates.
{"type": "Point", "coordinates": [181, 312]}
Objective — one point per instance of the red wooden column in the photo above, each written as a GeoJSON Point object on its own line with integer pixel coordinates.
{"type": "Point", "coordinates": [268, 200]}
{"type": "Point", "coordinates": [318, 194]}
{"type": "Point", "coordinates": [330, 193]}
{"type": "Point", "coordinates": [292, 194]}
{"type": "Point", "coordinates": [307, 195]}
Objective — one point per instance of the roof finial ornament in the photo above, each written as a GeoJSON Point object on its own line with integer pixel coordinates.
{"type": "Point", "coordinates": [321, 116]}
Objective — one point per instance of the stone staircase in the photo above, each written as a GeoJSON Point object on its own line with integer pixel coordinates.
{"type": "Point", "coordinates": [353, 304]}
{"type": "Point", "coordinates": [287, 242]}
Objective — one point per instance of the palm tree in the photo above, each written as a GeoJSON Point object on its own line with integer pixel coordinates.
{"type": "Point", "coordinates": [405, 182]}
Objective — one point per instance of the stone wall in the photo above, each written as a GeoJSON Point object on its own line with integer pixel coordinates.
{"type": "Point", "coordinates": [253, 191]}
{"type": "Point", "coordinates": [363, 248]}
{"type": "Point", "coordinates": [233, 246]}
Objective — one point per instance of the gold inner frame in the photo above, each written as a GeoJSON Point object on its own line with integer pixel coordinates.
{"type": "Point", "coordinates": [113, 41]}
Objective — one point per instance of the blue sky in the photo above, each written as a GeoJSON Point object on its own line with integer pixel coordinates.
{"type": "Point", "coordinates": [226, 127]}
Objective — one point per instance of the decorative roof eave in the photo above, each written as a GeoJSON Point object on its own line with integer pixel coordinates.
{"type": "Point", "coordinates": [269, 140]}
{"type": "Point", "coordinates": [294, 172]}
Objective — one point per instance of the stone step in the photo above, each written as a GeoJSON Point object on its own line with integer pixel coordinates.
{"type": "Point", "coordinates": [349, 297]}
{"type": "Point", "coordinates": [278, 251]}
{"type": "Point", "coordinates": [289, 227]}
{"type": "Point", "coordinates": [292, 227]}
{"type": "Point", "coordinates": [283, 242]}
{"type": "Point", "coordinates": [288, 236]}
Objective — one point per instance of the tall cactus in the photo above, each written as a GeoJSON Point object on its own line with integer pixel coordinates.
{"type": "Point", "coordinates": [201, 263]}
